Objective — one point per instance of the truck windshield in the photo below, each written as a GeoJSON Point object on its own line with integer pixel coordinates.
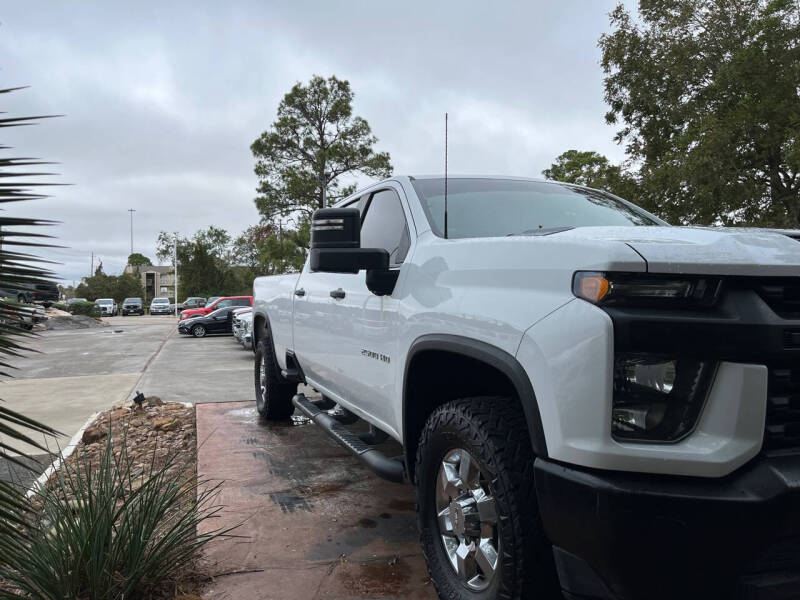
{"type": "Point", "coordinates": [499, 207]}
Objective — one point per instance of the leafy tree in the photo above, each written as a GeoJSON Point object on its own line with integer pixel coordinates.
{"type": "Point", "coordinates": [118, 287]}
{"type": "Point", "coordinates": [127, 286]}
{"type": "Point", "coordinates": [271, 249]}
{"type": "Point", "coordinates": [706, 94]}
{"type": "Point", "coordinates": [164, 247]}
{"type": "Point", "coordinates": [247, 247]}
{"type": "Point", "coordinates": [285, 250]}
{"type": "Point", "coordinates": [138, 260]}
{"type": "Point", "coordinates": [200, 273]}
{"type": "Point", "coordinates": [314, 141]}
{"type": "Point", "coordinates": [215, 240]}
{"type": "Point", "coordinates": [593, 170]}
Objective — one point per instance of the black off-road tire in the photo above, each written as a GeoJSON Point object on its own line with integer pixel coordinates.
{"type": "Point", "coordinates": [273, 394]}
{"type": "Point", "coordinates": [493, 431]}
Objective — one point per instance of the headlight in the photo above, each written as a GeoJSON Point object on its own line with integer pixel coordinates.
{"type": "Point", "coordinates": [644, 289]}
{"type": "Point", "coordinates": [658, 399]}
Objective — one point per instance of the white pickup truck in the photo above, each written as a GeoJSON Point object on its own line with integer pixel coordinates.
{"type": "Point", "coordinates": [589, 401]}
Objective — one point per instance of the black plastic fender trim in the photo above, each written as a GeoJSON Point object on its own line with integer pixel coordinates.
{"type": "Point", "coordinates": [494, 357]}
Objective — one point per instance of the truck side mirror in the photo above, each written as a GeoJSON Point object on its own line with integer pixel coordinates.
{"type": "Point", "coordinates": [336, 241]}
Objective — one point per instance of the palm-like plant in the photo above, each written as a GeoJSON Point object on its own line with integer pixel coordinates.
{"type": "Point", "coordinates": [19, 269]}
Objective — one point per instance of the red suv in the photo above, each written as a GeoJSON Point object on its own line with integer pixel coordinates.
{"type": "Point", "coordinates": [218, 303]}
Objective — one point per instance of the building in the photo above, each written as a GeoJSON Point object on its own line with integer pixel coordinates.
{"type": "Point", "coordinates": [156, 280]}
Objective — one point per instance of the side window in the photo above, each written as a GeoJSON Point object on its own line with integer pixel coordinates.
{"type": "Point", "coordinates": [223, 303]}
{"type": "Point", "coordinates": [384, 226]}
{"type": "Point", "coordinates": [241, 302]}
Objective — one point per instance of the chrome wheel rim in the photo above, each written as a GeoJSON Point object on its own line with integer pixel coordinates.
{"type": "Point", "coordinates": [199, 331]}
{"type": "Point", "coordinates": [467, 517]}
{"type": "Point", "coordinates": [262, 379]}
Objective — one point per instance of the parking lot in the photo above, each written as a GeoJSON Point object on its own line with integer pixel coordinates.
{"type": "Point", "coordinates": [314, 522]}
{"type": "Point", "coordinates": [71, 374]}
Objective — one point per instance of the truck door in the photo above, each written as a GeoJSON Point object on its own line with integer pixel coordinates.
{"type": "Point", "coordinates": [317, 327]}
{"type": "Point", "coordinates": [367, 361]}
{"type": "Point", "coordinates": [362, 328]}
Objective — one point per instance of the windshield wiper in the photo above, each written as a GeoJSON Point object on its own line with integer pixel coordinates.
{"type": "Point", "coordinates": [544, 230]}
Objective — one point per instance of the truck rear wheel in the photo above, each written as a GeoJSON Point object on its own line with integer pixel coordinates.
{"type": "Point", "coordinates": [478, 517]}
{"type": "Point", "coordinates": [273, 392]}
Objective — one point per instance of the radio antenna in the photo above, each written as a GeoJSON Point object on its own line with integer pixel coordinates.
{"type": "Point", "coordinates": [445, 175]}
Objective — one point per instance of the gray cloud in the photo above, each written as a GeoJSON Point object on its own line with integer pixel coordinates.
{"type": "Point", "coordinates": [162, 100]}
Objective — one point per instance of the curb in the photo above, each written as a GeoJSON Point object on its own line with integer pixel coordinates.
{"type": "Point", "coordinates": [62, 456]}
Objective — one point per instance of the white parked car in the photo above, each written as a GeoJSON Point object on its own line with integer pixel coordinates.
{"type": "Point", "coordinates": [587, 398]}
{"type": "Point", "coordinates": [108, 306]}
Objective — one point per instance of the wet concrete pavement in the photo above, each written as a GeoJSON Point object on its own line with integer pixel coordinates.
{"type": "Point", "coordinates": [316, 523]}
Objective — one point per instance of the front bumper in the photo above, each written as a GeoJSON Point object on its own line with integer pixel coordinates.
{"type": "Point", "coordinates": [630, 536]}
{"type": "Point", "coordinates": [160, 311]}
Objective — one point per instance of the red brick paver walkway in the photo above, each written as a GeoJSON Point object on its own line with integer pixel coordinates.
{"type": "Point", "coordinates": [316, 523]}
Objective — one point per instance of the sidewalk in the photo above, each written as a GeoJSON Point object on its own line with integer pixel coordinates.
{"type": "Point", "coordinates": [317, 524]}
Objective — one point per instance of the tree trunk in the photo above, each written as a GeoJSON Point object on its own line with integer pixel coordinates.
{"type": "Point", "coordinates": [790, 201]}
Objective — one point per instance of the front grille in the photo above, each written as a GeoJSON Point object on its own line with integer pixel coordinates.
{"type": "Point", "coordinates": [783, 408]}
{"type": "Point", "coordinates": [782, 294]}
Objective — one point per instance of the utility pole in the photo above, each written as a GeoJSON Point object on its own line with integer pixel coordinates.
{"type": "Point", "coordinates": [175, 261]}
{"type": "Point", "coordinates": [131, 210]}
{"type": "Point", "coordinates": [91, 273]}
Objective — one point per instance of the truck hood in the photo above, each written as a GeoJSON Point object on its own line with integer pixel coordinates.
{"type": "Point", "coordinates": [703, 250]}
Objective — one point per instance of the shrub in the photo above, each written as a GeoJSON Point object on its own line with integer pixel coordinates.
{"type": "Point", "coordinates": [60, 306]}
{"type": "Point", "coordinates": [108, 531]}
{"type": "Point", "coordinates": [90, 309]}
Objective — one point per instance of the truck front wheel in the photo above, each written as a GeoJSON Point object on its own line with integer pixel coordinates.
{"type": "Point", "coordinates": [478, 517]}
{"type": "Point", "coordinates": [273, 392]}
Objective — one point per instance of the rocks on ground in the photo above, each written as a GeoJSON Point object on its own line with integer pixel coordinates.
{"type": "Point", "coordinates": [153, 433]}
{"type": "Point", "coordinates": [73, 322]}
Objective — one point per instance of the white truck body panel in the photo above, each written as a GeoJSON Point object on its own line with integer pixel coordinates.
{"type": "Point", "coordinates": [515, 293]}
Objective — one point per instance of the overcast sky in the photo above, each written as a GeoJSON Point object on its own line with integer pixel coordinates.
{"type": "Point", "coordinates": [163, 99]}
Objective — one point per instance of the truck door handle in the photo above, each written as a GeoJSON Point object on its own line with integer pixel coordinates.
{"type": "Point", "coordinates": [338, 294]}
{"type": "Point", "coordinates": [300, 292]}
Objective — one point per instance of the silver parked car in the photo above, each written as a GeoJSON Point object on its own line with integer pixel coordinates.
{"type": "Point", "coordinates": [160, 306]}
{"type": "Point", "coordinates": [241, 326]}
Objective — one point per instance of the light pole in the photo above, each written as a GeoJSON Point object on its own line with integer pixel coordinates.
{"type": "Point", "coordinates": [175, 262]}
{"type": "Point", "coordinates": [131, 210]}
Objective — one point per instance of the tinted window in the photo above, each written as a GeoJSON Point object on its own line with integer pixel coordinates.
{"type": "Point", "coordinates": [241, 302]}
{"type": "Point", "coordinates": [385, 226]}
{"type": "Point", "coordinates": [223, 303]}
{"type": "Point", "coordinates": [498, 207]}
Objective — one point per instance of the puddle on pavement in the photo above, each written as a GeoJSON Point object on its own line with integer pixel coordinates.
{"type": "Point", "coordinates": [379, 577]}
{"type": "Point", "coordinates": [250, 415]}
